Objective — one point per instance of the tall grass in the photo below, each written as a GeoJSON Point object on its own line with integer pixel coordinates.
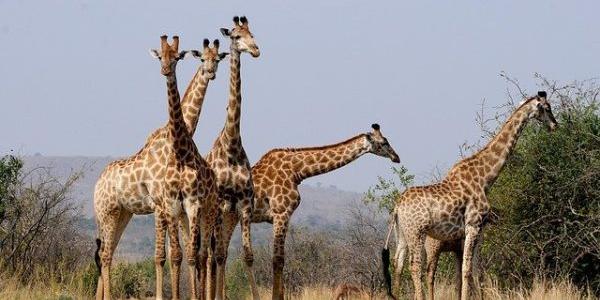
{"type": "Point", "coordinates": [541, 290]}
{"type": "Point", "coordinates": [128, 280]}
{"type": "Point", "coordinates": [136, 281]}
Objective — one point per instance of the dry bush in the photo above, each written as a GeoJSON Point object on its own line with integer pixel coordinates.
{"type": "Point", "coordinates": [326, 258]}
{"type": "Point", "coordinates": [39, 224]}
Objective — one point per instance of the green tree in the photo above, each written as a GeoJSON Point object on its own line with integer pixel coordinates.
{"type": "Point", "coordinates": [385, 191]}
{"type": "Point", "coordinates": [548, 197]}
{"type": "Point", "coordinates": [10, 168]}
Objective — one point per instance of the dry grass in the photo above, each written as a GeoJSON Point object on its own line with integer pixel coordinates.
{"type": "Point", "coordinates": [12, 289]}
{"type": "Point", "coordinates": [562, 290]}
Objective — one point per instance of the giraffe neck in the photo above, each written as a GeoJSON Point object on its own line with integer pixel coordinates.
{"type": "Point", "coordinates": [193, 99]}
{"type": "Point", "coordinates": [319, 160]}
{"type": "Point", "coordinates": [231, 131]}
{"type": "Point", "coordinates": [494, 155]}
{"type": "Point", "coordinates": [176, 127]}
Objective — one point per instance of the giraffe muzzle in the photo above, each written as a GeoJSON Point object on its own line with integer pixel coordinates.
{"type": "Point", "coordinates": [254, 52]}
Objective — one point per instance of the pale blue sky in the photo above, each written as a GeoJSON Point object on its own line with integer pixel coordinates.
{"type": "Point", "coordinates": [77, 78]}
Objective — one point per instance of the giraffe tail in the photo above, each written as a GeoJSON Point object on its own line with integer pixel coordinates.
{"type": "Point", "coordinates": [385, 257]}
{"type": "Point", "coordinates": [97, 255]}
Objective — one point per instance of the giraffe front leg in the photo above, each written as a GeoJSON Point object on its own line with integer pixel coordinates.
{"type": "Point", "coordinates": [280, 224]}
{"type": "Point", "coordinates": [191, 227]}
{"type": "Point", "coordinates": [109, 240]}
{"type": "Point", "coordinates": [477, 277]}
{"type": "Point", "coordinates": [247, 244]}
{"type": "Point", "coordinates": [175, 255]}
{"type": "Point", "coordinates": [471, 235]}
{"type": "Point", "coordinates": [160, 222]}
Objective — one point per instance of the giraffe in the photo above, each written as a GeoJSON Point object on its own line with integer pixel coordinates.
{"type": "Point", "coordinates": [193, 98]}
{"type": "Point", "coordinates": [279, 172]}
{"type": "Point", "coordinates": [232, 167]}
{"type": "Point", "coordinates": [457, 207]}
{"type": "Point", "coordinates": [141, 184]}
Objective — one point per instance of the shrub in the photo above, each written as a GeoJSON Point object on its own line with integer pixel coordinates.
{"type": "Point", "coordinates": [236, 280]}
{"type": "Point", "coordinates": [133, 279]}
{"type": "Point", "coordinates": [548, 197]}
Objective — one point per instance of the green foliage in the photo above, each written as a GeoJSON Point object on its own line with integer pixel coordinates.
{"type": "Point", "coordinates": [548, 198]}
{"type": "Point", "coordinates": [88, 278]}
{"type": "Point", "coordinates": [385, 192]}
{"type": "Point", "coordinates": [10, 168]}
{"type": "Point", "coordinates": [236, 281]}
{"type": "Point", "coordinates": [133, 279]}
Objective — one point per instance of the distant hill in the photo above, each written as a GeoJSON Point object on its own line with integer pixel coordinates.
{"type": "Point", "coordinates": [63, 166]}
{"type": "Point", "coordinates": [321, 207]}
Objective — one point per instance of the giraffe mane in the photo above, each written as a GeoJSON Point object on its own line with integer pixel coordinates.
{"type": "Point", "coordinates": [472, 156]}
{"type": "Point", "coordinates": [524, 101]}
{"type": "Point", "coordinates": [348, 141]}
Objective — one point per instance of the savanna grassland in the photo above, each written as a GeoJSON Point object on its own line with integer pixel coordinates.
{"type": "Point", "coordinates": [545, 243]}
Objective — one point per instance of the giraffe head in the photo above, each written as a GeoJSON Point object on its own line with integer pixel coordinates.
{"type": "Point", "coordinates": [541, 110]}
{"type": "Point", "coordinates": [379, 145]}
{"type": "Point", "coordinates": [210, 58]}
{"type": "Point", "coordinates": [168, 55]}
{"type": "Point", "coordinates": [242, 39]}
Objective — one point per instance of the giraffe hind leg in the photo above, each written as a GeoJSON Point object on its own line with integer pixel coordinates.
{"type": "Point", "coordinates": [245, 221]}
{"type": "Point", "coordinates": [113, 226]}
{"type": "Point", "coordinates": [416, 243]}
{"type": "Point", "coordinates": [433, 249]}
{"type": "Point", "coordinates": [230, 221]}
{"type": "Point", "coordinates": [208, 222]}
{"type": "Point", "coordinates": [400, 254]}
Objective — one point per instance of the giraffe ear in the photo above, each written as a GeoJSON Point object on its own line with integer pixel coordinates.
{"type": "Point", "coordinates": [154, 53]}
{"type": "Point", "coordinates": [182, 55]}
{"type": "Point", "coordinates": [225, 32]}
{"type": "Point", "coordinates": [195, 53]}
{"type": "Point", "coordinates": [223, 55]}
